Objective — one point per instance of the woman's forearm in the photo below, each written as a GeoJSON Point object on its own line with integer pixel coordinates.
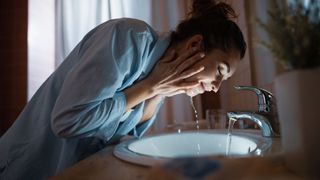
{"type": "Point", "coordinates": [165, 79]}
{"type": "Point", "coordinates": [138, 93]}
{"type": "Point", "coordinates": [150, 107]}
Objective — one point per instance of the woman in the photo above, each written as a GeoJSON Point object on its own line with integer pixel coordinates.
{"type": "Point", "coordinates": [112, 84]}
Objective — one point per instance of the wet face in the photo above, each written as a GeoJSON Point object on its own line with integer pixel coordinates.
{"type": "Point", "coordinates": [219, 66]}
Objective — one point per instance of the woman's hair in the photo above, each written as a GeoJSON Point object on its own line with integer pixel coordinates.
{"type": "Point", "coordinates": [214, 21]}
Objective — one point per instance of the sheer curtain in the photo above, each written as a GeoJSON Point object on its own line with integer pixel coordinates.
{"type": "Point", "coordinates": [76, 17]}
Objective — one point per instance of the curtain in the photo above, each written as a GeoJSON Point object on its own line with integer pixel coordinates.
{"type": "Point", "coordinates": [76, 17]}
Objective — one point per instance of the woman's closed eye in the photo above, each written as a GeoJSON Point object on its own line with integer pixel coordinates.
{"type": "Point", "coordinates": [220, 71]}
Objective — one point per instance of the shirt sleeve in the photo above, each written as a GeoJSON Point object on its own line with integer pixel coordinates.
{"type": "Point", "coordinates": [90, 102]}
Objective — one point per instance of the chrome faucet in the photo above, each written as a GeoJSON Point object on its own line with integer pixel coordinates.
{"type": "Point", "coordinates": [266, 117]}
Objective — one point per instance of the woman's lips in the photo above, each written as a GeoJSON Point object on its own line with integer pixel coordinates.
{"type": "Point", "coordinates": [206, 87]}
{"type": "Point", "coordinates": [201, 88]}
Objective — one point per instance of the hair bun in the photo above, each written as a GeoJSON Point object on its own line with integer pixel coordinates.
{"type": "Point", "coordinates": [211, 8]}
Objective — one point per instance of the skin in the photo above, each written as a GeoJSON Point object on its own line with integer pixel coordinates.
{"type": "Point", "coordinates": [184, 68]}
{"type": "Point", "coordinates": [219, 66]}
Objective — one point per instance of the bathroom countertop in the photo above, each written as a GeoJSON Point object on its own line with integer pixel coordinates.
{"type": "Point", "coordinates": [103, 165]}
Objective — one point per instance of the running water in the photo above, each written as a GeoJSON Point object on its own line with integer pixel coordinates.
{"type": "Point", "coordinates": [229, 137]}
{"type": "Point", "coordinates": [197, 123]}
{"type": "Point", "coordinates": [195, 112]}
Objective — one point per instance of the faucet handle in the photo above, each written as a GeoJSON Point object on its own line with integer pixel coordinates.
{"type": "Point", "coordinates": [265, 98]}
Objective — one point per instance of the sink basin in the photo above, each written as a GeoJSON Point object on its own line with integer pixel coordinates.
{"type": "Point", "coordinates": [191, 144]}
{"type": "Point", "coordinates": [160, 148]}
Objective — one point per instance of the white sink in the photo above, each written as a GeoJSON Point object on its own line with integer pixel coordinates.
{"type": "Point", "coordinates": [157, 149]}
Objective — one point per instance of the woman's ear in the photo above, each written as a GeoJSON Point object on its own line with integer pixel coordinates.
{"type": "Point", "coordinates": [195, 41]}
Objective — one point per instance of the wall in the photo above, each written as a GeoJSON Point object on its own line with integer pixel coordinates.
{"type": "Point", "coordinates": [230, 98]}
{"type": "Point", "coordinates": [257, 67]}
{"type": "Point", "coordinates": [265, 68]}
{"type": "Point", "coordinates": [13, 57]}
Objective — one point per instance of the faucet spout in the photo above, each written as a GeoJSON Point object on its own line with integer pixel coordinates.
{"type": "Point", "coordinates": [266, 117]}
{"type": "Point", "coordinates": [260, 119]}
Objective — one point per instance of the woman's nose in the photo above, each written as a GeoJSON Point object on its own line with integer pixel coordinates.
{"type": "Point", "coordinates": [216, 85]}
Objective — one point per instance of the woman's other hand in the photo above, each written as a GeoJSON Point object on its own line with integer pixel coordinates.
{"type": "Point", "coordinates": [167, 77]}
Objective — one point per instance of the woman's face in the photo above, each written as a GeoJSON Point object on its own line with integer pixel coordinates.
{"type": "Point", "coordinates": [218, 66]}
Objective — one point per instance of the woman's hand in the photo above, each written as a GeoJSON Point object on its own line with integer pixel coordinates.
{"type": "Point", "coordinates": [167, 76]}
{"type": "Point", "coordinates": [195, 91]}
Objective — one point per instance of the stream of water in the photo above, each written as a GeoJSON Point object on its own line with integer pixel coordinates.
{"type": "Point", "coordinates": [197, 122]}
{"type": "Point", "coordinates": [195, 112]}
{"type": "Point", "coordinates": [229, 137]}
{"type": "Point", "coordinates": [230, 128]}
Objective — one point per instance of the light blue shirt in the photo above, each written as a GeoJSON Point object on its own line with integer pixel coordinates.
{"type": "Point", "coordinates": [81, 107]}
